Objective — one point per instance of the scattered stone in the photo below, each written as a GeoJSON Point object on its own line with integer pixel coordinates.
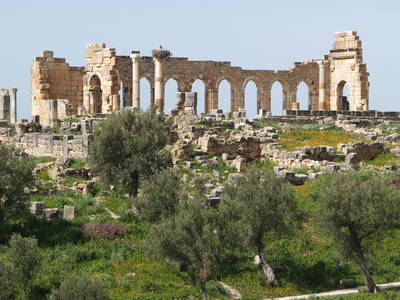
{"type": "Point", "coordinates": [233, 293]}
{"type": "Point", "coordinates": [50, 213]}
{"type": "Point", "coordinates": [69, 212]}
{"type": "Point", "coordinates": [351, 158]}
{"type": "Point", "coordinates": [37, 208]}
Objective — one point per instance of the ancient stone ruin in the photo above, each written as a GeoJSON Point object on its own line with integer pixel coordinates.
{"type": "Point", "coordinates": [59, 90]}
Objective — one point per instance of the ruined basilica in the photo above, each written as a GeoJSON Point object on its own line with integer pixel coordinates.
{"type": "Point", "coordinates": [110, 82]}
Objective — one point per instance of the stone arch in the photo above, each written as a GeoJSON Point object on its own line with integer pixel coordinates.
{"type": "Point", "coordinates": [170, 86]}
{"type": "Point", "coordinates": [343, 101]}
{"type": "Point", "coordinates": [95, 94]}
{"type": "Point", "coordinates": [251, 97]}
{"type": "Point", "coordinates": [285, 87]}
{"type": "Point", "coordinates": [303, 97]}
{"type": "Point", "coordinates": [201, 97]}
{"type": "Point", "coordinates": [146, 92]}
{"type": "Point", "coordinates": [227, 105]}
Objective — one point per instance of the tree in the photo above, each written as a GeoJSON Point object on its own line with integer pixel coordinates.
{"type": "Point", "coordinates": [263, 205]}
{"type": "Point", "coordinates": [160, 195]}
{"type": "Point", "coordinates": [79, 287]}
{"type": "Point", "coordinates": [197, 238]}
{"type": "Point", "coordinates": [7, 285]}
{"type": "Point", "coordinates": [24, 257]}
{"type": "Point", "coordinates": [127, 148]}
{"type": "Point", "coordinates": [15, 174]}
{"type": "Point", "coordinates": [357, 208]}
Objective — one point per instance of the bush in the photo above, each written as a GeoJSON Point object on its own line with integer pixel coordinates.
{"type": "Point", "coordinates": [7, 285]}
{"type": "Point", "coordinates": [79, 287]}
{"type": "Point", "coordinates": [24, 258]}
{"type": "Point", "coordinates": [15, 174]}
{"type": "Point", "coordinates": [104, 231]}
{"type": "Point", "coordinates": [160, 195]}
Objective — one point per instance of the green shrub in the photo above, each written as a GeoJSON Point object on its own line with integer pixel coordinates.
{"type": "Point", "coordinates": [79, 287]}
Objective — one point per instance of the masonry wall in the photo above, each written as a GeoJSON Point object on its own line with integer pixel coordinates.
{"type": "Point", "coordinates": [36, 144]}
{"type": "Point", "coordinates": [53, 78]}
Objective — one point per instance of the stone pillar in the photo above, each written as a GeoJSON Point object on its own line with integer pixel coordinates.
{"type": "Point", "coordinates": [211, 100]}
{"type": "Point", "coordinates": [4, 105]}
{"type": "Point", "coordinates": [158, 84]}
{"type": "Point", "coordinates": [53, 112]}
{"type": "Point", "coordinates": [135, 56]}
{"type": "Point", "coordinates": [14, 106]}
{"type": "Point", "coordinates": [321, 98]}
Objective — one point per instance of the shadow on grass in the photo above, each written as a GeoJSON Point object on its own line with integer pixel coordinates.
{"type": "Point", "coordinates": [48, 233]}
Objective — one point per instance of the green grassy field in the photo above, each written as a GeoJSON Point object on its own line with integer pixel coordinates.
{"type": "Point", "coordinates": [308, 261]}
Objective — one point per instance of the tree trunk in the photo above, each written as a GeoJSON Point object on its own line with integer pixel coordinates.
{"type": "Point", "coordinates": [267, 270]}
{"type": "Point", "coordinates": [133, 195]}
{"type": "Point", "coordinates": [203, 290]}
{"type": "Point", "coordinates": [371, 286]}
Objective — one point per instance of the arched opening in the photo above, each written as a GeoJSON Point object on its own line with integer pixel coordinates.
{"type": "Point", "coordinates": [250, 99]}
{"type": "Point", "coordinates": [277, 99]}
{"type": "Point", "coordinates": [145, 94]}
{"type": "Point", "coordinates": [224, 95]}
{"type": "Point", "coordinates": [95, 95]}
{"type": "Point", "coordinates": [303, 96]}
{"type": "Point", "coordinates": [170, 89]}
{"type": "Point", "coordinates": [343, 99]}
{"type": "Point", "coordinates": [199, 88]}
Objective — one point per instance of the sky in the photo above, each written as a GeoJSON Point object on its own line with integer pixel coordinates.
{"type": "Point", "coordinates": [252, 34]}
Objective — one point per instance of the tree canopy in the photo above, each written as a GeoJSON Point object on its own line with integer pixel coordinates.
{"type": "Point", "coordinates": [127, 148]}
{"type": "Point", "coordinates": [264, 205]}
{"type": "Point", "coordinates": [16, 174]}
{"type": "Point", "coordinates": [357, 208]}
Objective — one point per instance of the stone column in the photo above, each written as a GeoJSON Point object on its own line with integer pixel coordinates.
{"type": "Point", "coordinates": [159, 56]}
{"type": "Point", "coordinates": [321, 99]}
{"type": "Point", "coordinates": [158, 84]}
{"type": "Point", "coordinates": [135, 56]}
{"type": "Point", "coordinates": [4, 105]}
{"type": "Point", "coordinates": [14, 106]}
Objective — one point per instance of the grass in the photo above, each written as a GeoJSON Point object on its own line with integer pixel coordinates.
{"type": "Point", "coordinates": [385, 159]}
{"type": "Point", "coordinates": [300, 138]}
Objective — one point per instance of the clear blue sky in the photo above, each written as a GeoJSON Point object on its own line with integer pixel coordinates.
{"type": "Point", "coordinates": [258, 34]}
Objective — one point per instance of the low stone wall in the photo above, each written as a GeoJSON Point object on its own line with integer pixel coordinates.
{"type": "Point", "coordinates": [36, 144]}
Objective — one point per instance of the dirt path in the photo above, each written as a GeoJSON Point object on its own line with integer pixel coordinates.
{"type": "Point", "coordinates": [336, 292]}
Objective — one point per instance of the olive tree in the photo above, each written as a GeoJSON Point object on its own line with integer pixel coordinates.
{"type": "Point", "coordinates": [357, 208]}
{"type": "Point", "coordinates": [16, 174]}
{"type": "Point", "coordinates": [8, 288]}
{"type": "Point", "coordinates": [160, 195]}
{"type": "Point", "coordinates": [24, 258]}
{"type": "Point", "coordinates": [127, 148]}
{"type": "Point", "coordinates": [264, 206]}
{"type": "Point", "coordinates": [79, 287]}
{"type": "Point", "coordinates": [197, 238]}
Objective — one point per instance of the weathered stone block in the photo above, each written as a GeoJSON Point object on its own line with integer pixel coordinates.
{"type": "Point", "coordinates": [69, 212]}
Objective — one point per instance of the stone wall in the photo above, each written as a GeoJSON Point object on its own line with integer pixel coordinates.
{"type": "Point", "coordinates": [37, 144]}
{"type": "Point", "coordinates": [53, 78]}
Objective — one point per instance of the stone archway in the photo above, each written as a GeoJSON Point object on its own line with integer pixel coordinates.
{"type": "Point", "coordinates": [95, 95]}
{"type": "Point", "coordinates": [343, 96]}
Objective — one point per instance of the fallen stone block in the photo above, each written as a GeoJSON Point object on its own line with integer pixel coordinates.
{"type": "Point", "coordinates": [50, 213]}
{"type": "Point", "coordinates": [37, 208]}
{"type": "Point", "coordinates": [69, 212]}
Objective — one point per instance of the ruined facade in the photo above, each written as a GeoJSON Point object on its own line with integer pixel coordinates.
{"type": "Point", "coordinates": [110, 82]}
